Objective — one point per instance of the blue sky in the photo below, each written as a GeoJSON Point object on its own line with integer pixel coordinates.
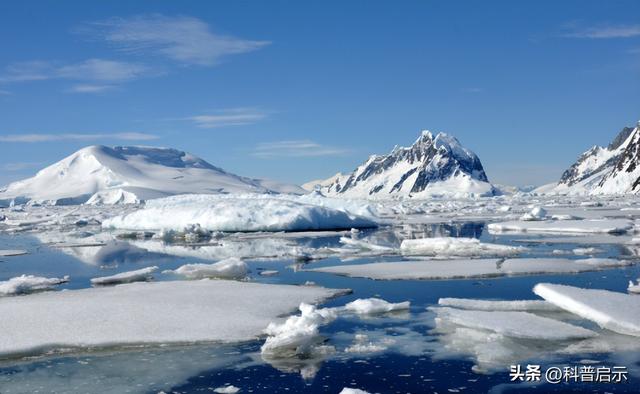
{"type": "Point", "coordinates": [296, 91]}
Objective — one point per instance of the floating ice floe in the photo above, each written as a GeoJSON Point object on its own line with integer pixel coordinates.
{"type": "Point", "coordinates": [298, 335]}
{"type": "Point", "coordinates": [607, 226]}
{"type": "Point", "coordinates": [373, 306]}
{"type": "Point", "coordinates": [231, 268]}
{"type": "Point", "coordinates": [586, 251]}
{"type": "Point", "coordinates": [537, 213]}
{"type": "Point", "coordinates": [15, 252]}
{"type": "Point", "coordinates": [231, 389]}
{"type": "Point", "coordinates": [491, 305]}
{"type": "Point", "coordinates": [450, 246]}
{"type": "Point", "coordinates": [614, 311]}
{"type": "Point", "coordinates": [147, 313]}
{"type": "Point", "coordinates": [28, 284]}
{"type": "Point", "coordinates": [480, 268]}
{"type": "Point", "coordinates": [141, 275]}
{"type": "Point", "coordinates": [514, 324]}
{"type": "Point", "coordinates": [349, 390]}
{"type": "Point", "coordinates": [245, 212]}
{"type": "Point", "coordinates": [268, 273]}
{"type": "Point", "coordinates": [634, 288]}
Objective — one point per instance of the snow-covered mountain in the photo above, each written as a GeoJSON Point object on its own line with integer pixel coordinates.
{"type": "Point", "coordinates": [432, 166]}
{"type": "Point", "coordinates": [128, 174]}
{"type": "Point", "coordinates": [603, 170]}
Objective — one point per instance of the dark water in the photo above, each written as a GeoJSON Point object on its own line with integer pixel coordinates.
{"type": "Point", "coordinates": [416, 364]}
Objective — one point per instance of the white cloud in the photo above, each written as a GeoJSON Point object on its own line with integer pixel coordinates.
{"type": "Point", "coordinates": [29, 138]}
{"type": "Point", "coordinates": [183, 39]}
{"type": "Point", "coordinates": [228, 117]}
{"type": "Point", "coordinates": [620, 31]}
{"type": "Point", "coordinates": [89, 70]}
{"type": "Point", "coordinates": [89, 88]}
{"type": "Point", "coordinates": [296, 148]}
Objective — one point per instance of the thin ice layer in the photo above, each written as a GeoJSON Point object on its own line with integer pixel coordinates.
{"type": "Point", "coordinates": [514, 324]}
{"type": "Point", "coordinates": [491, 305]}
{"type": "Point", "coordinates": [480, 268]}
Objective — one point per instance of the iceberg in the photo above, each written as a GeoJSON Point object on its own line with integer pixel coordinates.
{"type": "Point", "coordinates": [231, 268]}
{"type": "Point", "coordinates": [235, 213]}
{"type": "Point", "coordinates": [141, 275]}
{"type": "Point", "coordinates": [175, 312]}
{"type": "Point", "coordinates": [28, 284]}
{"type": "Point", "coordinates": [478, 268]}
{"type": "Point", "coordinates": [450, 246]}
{"type": "Point", "coordinates": [614, 311]}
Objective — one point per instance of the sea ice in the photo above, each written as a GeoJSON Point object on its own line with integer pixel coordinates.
{"type": "Point", "coordinates": [537, 213]}
{"type": "Point", "coordinates": [614, 311]}
{"type": "Point", "coordinates": [243, 212]}
{"type": "Point", "coordinates": [147, 313]}
{"type": "Point", "coordinates": [514, 324]}
{"type": "Point", "coordinates": [634, 288]}
{"type": "Point", "coordinates": [16, 252]}
{"type": "Point", "coordinates": [360, 244]}
{"type": "Point", "coordinates": [450, 246]}
{"type": "Point", "coordinates": [231, 268]}
{"type": "Point", "coordinates": [298, 335]}
{"type": "Point", "coordinates": [231, 389]}
{"type": "Point", "coordinates": [607, 226]}
{"type": "Point", "coordinates": [141, 275]}
{"type": "Point", "coordinates": [474, 268]}
{"type": "Point", "coordinates": [348, 390]}
{"type": "Point", "coordinates": [28, 284]}
{"type": "Point", "coordinates": [491, 305]}
{"type": "Point", "coordinates": [373, 306]}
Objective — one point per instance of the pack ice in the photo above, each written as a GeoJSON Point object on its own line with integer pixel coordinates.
{"type": "Point", "coordinates": [245, 212]}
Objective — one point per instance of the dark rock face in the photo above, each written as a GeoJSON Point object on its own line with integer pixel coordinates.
{"type": "Point", "coordinates": [579, 172]}
{"type": "Point", "coordinates": [627, 163]}
{"type": "Point", "coordinates": [433, 159]}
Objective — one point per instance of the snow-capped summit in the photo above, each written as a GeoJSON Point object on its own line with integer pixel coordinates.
{"type": "Point", "coordinates": [433, 165]}
{"type": "Point", "coordinates": [128, 174]}
{"type": "Point", "coordinates": [604, 170]}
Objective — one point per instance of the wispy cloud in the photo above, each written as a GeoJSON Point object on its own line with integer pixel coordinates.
{"type": "Point", "coordinates": [228, 117]}
{"type": "Point", "coordinates": [31, 138]}
{"type": "Point", "coordinates": [184, 39]}
{"type": "Point", "coordinates": [96, 70]}
{"type": "Point", "coordinates": [296, 148]}
{"type": "Point", "coordinates": [604, 31]}
{"type": "Point", "coordinates": [89, 88]}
